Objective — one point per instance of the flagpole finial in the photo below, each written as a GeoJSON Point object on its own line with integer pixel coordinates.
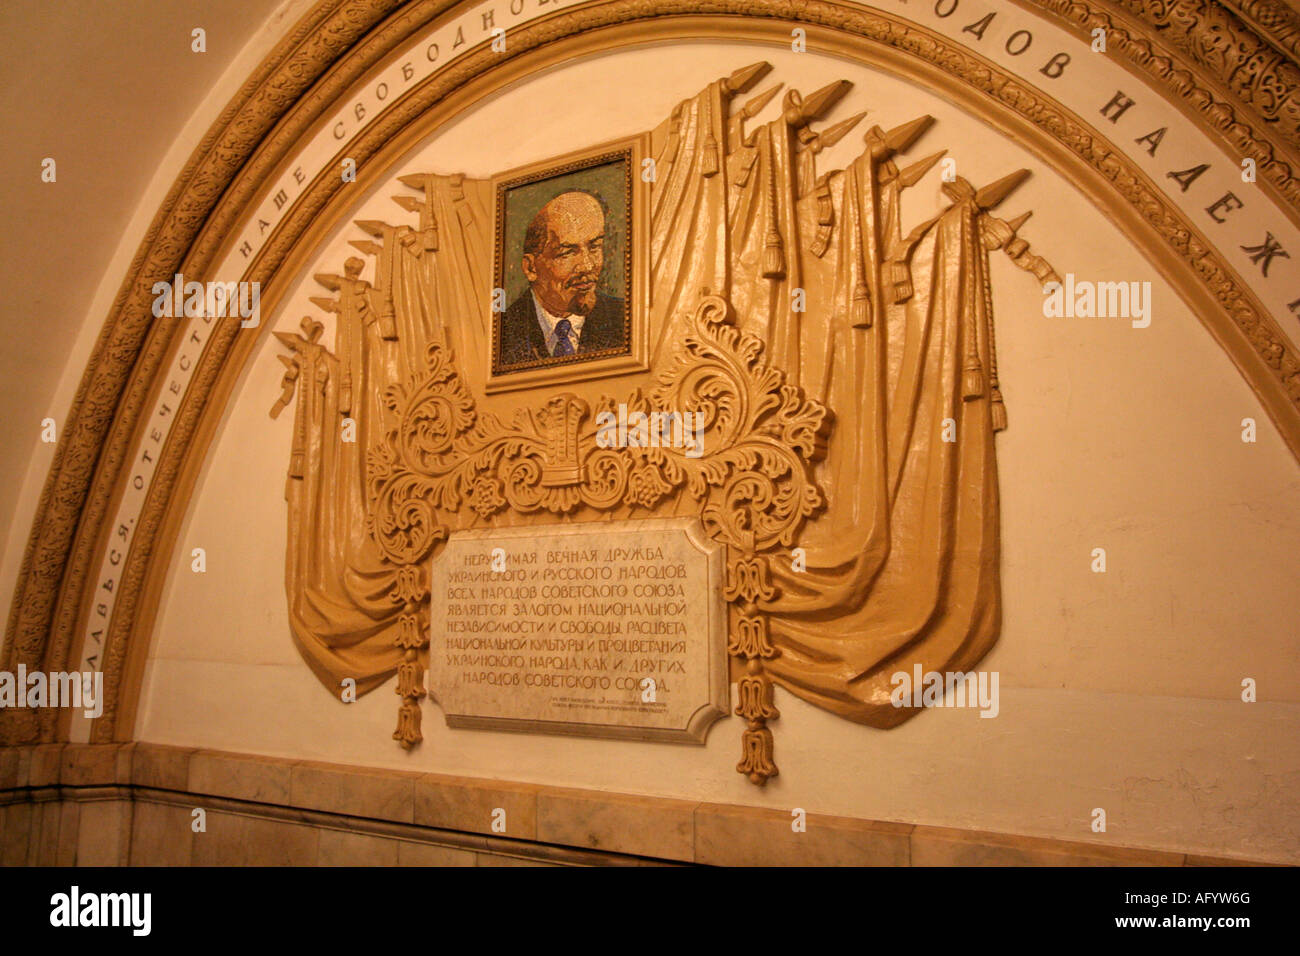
{"type": "Point", "coordinates": [900, 138]}
{"type": "Point", "coordinates": [1019, 221]}
{"type": "Point", "coordinates": [800, 110]}
{"type": "Point", "coordinates": [989, 196]}
{"type": "Point", "coordinates": [911, 175]}
{"type": "Point", "coordinates": [828, 137]}
{"type": "Point", "coordinates": [754, 105]}
{"type": "Point", "coordinates": [743, 79]}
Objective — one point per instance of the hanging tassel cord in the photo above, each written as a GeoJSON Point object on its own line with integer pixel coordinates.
{"type": "Point", "coordinates": [997, 407]}
{"type": "Point", "coordinates": [710, 158]}
{"type": "Point", "coordinates": [860, 313]}
{"type": "Point", "coordinates": [773, 248]}
{"type": "Point", "coordinates": [972, 376]}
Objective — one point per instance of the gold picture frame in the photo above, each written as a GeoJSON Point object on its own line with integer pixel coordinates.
{"type": "Point", "coordinates": [612, 173]}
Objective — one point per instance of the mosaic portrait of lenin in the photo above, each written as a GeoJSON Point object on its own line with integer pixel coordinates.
{"type": "Point", "coordinates": [564, 264]}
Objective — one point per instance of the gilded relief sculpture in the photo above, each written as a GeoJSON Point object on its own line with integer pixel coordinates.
{"type": "Point", "coordinates": [843, 363]}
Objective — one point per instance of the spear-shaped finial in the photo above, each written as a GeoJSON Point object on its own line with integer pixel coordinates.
{"type": "Point", "coordinates": [329, 280]}
{"type": "Point", "coordinates": [743, 79]}
{"type": "Point", "coordinates": [366, 246]}
{"type": "Point", "coordinates": [1019, 221]}
{"type": "Point", "coordinates": [799, 110]}
{"type": "Point", "coordinates": [819, 102]}
{"type": "Point", "coordinates": [900, 138]}
{"type": "Point", "coordinates": [833, 134]}
{"type": "Point", "coordinates": [995, 192]}
{"type": "Point", "coordinates": [372, 226]}
{"type": "Point", "coordinates": [910, 175]}
{"type": "Point", "coordinates": [754, 105]}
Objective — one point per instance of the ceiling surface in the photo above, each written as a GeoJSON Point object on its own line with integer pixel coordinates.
{"type": "Point", "coordinates": [104, 87]}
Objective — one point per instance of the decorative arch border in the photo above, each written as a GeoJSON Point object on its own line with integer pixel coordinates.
{"type": "Point", "coordinates": [339, 41]}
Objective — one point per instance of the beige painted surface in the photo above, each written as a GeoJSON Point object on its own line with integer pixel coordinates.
{"type": "Point", "coordinates": [1119, 690]}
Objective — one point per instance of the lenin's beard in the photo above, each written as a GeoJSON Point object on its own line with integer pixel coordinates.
{"type": "Point", "coordinates": [580, 294]}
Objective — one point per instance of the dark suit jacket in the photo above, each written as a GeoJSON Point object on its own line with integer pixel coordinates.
{"type": "Point", "coordinates": [522, 339]}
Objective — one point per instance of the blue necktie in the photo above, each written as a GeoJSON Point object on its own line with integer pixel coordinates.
{"type": "Point", "coordinates": [562, 344]}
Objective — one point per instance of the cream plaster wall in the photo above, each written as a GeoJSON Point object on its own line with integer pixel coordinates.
{"type": "Point", "coordinates": [80, 83]}
{"type": "Point", "coordinates": [1118, 690]}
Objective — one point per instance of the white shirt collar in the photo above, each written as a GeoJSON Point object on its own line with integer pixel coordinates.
{"type": "Point", "coordinates": [547, 321]}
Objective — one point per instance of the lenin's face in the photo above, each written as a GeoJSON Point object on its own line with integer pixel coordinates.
{"type": "Point", "coordinates": [564, 274]}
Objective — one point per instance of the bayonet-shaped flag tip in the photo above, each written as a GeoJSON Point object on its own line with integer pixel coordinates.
{"type": "Point", "coordinates": [1019, 221]}
{"type": "Point", "coordinates": [817, 103]}
{"type": "Point", "coordinates": [900, 138]}
{"type": "Point", "coordinates": [911, 175]}
{"type": "Point", "coordinates": [833, 134]}
{"type": "Point", "coordinates": [372, 226]}
{"type": "Point", "coordinates": [329, 280]}
{"type": "Point", "coordinates": [288, 340]}
{"type": "Point", "coordinates": [740, 81]}
{"type": "Point", "coordinates": [329, 305]}
{"type": "Point", "coordinates": [755, 104]}
{"type": "Point", "coordinates": [409, 203]}
{"type": "Point", "coordinates": [414, 180]}
{"type": "Point", "coordinates": [995, 192]}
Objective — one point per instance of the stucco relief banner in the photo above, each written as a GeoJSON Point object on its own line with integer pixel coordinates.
{"type": "Point", "coordinates": [1041, 53]}
{"type": "Point", "coordinates": [782, 297]}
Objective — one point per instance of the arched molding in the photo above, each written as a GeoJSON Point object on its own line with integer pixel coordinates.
{"type": "Point", "coordinates": [342, 41]}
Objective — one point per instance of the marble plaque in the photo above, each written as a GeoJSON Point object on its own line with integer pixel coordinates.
{"type": "Point", "coordinates": [602, 629]}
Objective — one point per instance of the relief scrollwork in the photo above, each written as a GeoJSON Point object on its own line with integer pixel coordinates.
{"type": "Point", "coordinates": [749, 469]}
{"type": "Point", "coordinates": [1235, 88]}
{"type": "Point", "coordinates": [891, 327]}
